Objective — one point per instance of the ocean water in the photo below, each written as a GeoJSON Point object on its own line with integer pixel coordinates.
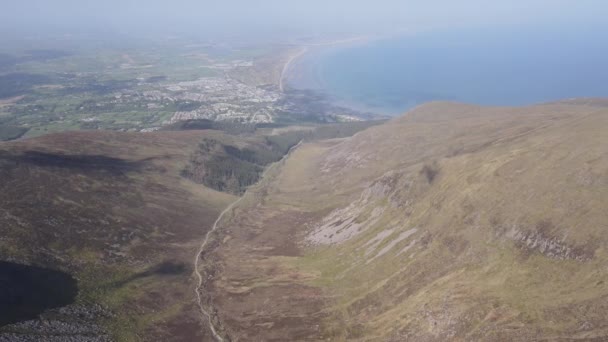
{"type": "Point", "coordinates": [391, 75]}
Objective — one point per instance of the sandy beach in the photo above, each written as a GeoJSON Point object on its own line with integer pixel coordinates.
{"type": "Point", "coordinates": [287, 65]}
{"type": "Point", "coordinates": [305, 48]}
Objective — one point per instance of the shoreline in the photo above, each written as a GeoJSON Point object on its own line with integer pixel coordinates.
{"type": "Point", "coordinates": [314, 77]}
{"type": "Point", "coordinates": [306, 48]}
{"type": "Point", "coordinates": [391, 73]}
{"type": "Point", "coordinates": [290, 61]}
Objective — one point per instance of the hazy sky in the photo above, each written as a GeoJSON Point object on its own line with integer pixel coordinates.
{"type": "Point", "coordinates": [311, 16]}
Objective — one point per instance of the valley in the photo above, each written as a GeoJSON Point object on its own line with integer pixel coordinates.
{"type": "Point", "coordinates": [452, 222]}
{"type": "Point", "coordinates": [336, 171]}
{"type": "Point", "coordinates": [121, 215]}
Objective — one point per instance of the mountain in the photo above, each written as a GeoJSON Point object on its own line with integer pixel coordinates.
{"type": "Point", "coordinates": [111, 210]}
{"type": "Point", "coordinates": [99, 229]}
{"type": "Point", "coordinates": [452, 222]}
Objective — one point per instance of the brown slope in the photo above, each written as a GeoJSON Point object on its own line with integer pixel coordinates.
{"type": "Point", "coordinates": [454, 222]}
{"type": "Point", "coordinates": [112, 210]}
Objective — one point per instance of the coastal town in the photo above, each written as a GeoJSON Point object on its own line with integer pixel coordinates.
{"type": "Point", "coordinates": [137, 93]}
{"type": "Point", "coordinates": [225, 99]}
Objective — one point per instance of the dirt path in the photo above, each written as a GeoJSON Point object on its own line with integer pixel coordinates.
{"type": "Point", "coordinates": [207, 312]}
{"type": "Point", "coordinates": [199, 276]}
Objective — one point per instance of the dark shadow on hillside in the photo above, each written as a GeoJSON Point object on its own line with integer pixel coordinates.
{"type": "Point", "coordinates": [28, 291]}
{"type": "Point", "coordinates": [234, 128]}
{"type": "Point", "coordinates": [74, 162]}
{"type": "Point", "coordinates": [166, 268]}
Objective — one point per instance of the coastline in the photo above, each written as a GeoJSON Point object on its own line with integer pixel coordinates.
{"type": "Point", "coordinates": [304, 71]}
{"type": "Point", "coordinates": [287, 65]}
{"type": "Point", "coordinates": [305, 49]}
{"type": "Point", "coordinates": [392, 73]}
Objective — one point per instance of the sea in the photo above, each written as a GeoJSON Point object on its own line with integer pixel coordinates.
{"type": "Point", "coordinates": [391, 74]}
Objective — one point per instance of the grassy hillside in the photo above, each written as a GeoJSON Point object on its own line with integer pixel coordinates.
{"type": "Point", "coordinates": [453, 222]}
{"type": "Point", "coordinates": [116, 218]}
{"type": "Point", "coordinates": [237, 163]}
{"type": "Point", "coordinates": [112, 210]}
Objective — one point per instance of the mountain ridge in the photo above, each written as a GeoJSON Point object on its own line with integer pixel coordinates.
{"type": "Point", "coordinates": [451, 222]}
